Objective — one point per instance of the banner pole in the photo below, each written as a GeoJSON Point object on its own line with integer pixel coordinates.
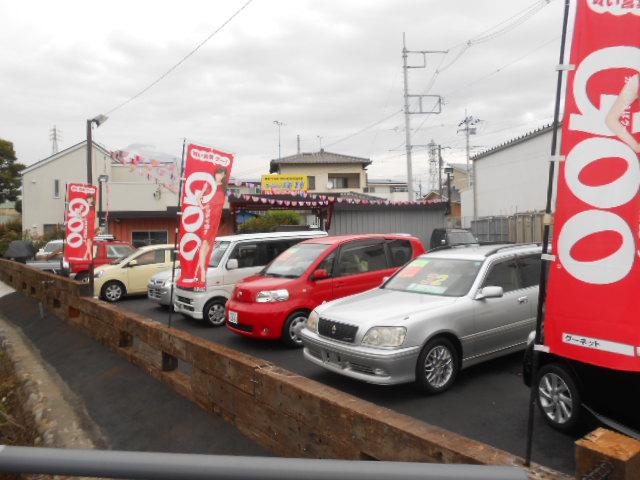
{"type": "Point", "coordinates": [64, 230]}
{"type": "Point", "coordinates": [542, 290]}
{"type": "Point", "coordinates": [177, 230]}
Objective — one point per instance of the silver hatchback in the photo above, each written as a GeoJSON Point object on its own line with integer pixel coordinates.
{"type": "Point", "coordinates": [442, 312]}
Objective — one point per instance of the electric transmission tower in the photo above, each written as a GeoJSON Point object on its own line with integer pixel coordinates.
{"type": "Point", "coordinates": [437, 107]}
{"type": "Point", "coordinates": [434, 166]}
{"type": "Point", "coordinates": [54, 136]}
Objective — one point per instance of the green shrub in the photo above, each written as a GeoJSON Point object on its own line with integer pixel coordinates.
{"type": "Point", "coordinates": [270, 221]}
{"type": "Point", "coordinates": [9, 232]}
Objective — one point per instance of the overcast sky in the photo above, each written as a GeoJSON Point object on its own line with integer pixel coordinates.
{"type": "Point", "coordinates": [325, 68]}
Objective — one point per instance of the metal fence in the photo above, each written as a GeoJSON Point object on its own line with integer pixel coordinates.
{"type": "Point", "coordinates": [518, 228]}
{"type": "Point", "coordinates": [112, 464]}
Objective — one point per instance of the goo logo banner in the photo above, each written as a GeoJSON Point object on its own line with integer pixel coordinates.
{"type": "Point", "coordinates": [206, 176]}
{"type": "Point", "coordinates": [80, 221]}
{"type": "Point", "coordinates": [592, 307]}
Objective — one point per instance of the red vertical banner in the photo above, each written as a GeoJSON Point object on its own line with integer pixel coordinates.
{"type": "Point", "coordinates": [80, 221]}
{"type": "Point", "coordinates": [593, 302]}
{"type": "Point", "coordinates": [206, 174]}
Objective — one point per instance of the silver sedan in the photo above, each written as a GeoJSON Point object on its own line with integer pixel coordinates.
{"type": "Point", "coordinates": [442, 312]}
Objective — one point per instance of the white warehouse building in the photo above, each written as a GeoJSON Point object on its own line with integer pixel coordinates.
{"type": "Point", "coordinates": [511, 178]}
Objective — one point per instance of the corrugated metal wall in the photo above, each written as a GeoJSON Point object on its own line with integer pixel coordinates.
{"type": "Point", "coordinates": [419, 222]}
{"type": "Point", "coordinates": [518, 228]}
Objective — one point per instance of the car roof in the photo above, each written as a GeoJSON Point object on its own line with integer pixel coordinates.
{"type": "Point", "coordinates": [481, 252]}
{"type": "Point", "coordinates": [267, 235]}
{"type": "Point", "coordinates": [335, 239]}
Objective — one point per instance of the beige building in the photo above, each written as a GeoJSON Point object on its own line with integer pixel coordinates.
{"type": "Point", "coordinates": [326, 172]}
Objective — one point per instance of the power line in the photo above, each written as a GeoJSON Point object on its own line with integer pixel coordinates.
{"type": "Point", "coordinates": [181, 61]}
{"type": "Point", "coordinates": [365, 128]}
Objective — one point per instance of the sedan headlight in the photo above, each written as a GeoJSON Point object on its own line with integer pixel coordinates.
{"type": "Point", "coordinates": [385, 337]}
{"type": "Point", "coordinates": [98, 274]}
{"type": "Point", "coordinates": [312, 321]}
{"type": "Point", "coordinates": [167, 283]}
{"type": "Point", "coordinates": [267, 296]}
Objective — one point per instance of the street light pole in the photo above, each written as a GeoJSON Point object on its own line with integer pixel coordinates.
{"type": "Point", "coordinates": [98, 120]}
{"type": "Point", "coordinates": [278, 124]}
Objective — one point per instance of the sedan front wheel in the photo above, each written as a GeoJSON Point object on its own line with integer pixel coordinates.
{"type": "Point", "coordinates": [438, 366]}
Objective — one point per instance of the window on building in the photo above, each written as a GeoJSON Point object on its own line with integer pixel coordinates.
{"type": "Point", "coordinates": [235, 191]}
{"type": "Point", "coordinates": [339, 182]}
{"type": "Point", "coordinates": [311, 182]}
{"type": "Point", "coordinates": [399, 189]}
{"type": "Point", "coordinates": [370, 189]}
{"type": "Point", "coordinates": [56, 188]}
{"type": "Point", "coordinates": [51, 228]}
{"type": "Point", "coordinates": [142, 238]}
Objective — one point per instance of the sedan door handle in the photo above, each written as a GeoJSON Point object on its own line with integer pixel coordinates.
{"type": "Point", "coordinates": [523, 299]}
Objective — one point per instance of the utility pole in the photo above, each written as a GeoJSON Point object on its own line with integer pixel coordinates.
{"type": "Point", "coordinates": [434, 167]}
{"type": "Point", "coordinates": [298, 144]}
{"type": "Point", "coordinates": [279, 124]}
{"type": "Point", "coordinates": [319, 141]}
{"type": "Point", "coordinates": [437, 108]}
{"type": "Point", "coordinates": [54, 135]}
{"type": "Point", "coordinates": [469, 128]}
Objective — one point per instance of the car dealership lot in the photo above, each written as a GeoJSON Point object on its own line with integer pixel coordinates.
{"type": "Point", "coordinates": [487, 403]}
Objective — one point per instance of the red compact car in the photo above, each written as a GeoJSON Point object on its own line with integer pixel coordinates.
{"type": "Point", "coordinates": [275, 303]}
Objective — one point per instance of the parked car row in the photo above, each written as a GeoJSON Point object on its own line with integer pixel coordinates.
{"type": "Point", "coordinates": [371, 307]}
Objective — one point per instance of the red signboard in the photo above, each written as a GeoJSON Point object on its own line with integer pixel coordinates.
{"type": "Point", "coordinates": [206, 175]}
{"type": "Point", "coordinates": [593, 304]}
{"type": "Point", "coordinates": [80, 221]}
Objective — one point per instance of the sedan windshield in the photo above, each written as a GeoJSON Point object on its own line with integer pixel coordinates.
{"type": "Point", "coordinates": [446, 277]}
{"type": "Point", "coordinates": [295, 261]}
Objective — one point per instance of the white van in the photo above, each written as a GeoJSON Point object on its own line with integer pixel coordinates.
{"type": "Point", "coordinates": [234, 258]}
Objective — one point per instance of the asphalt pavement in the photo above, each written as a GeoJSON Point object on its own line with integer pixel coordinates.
{"type": "Point", "coordinates": [488, 402]}
{"type": "Point", "coordinates": [131, 410]}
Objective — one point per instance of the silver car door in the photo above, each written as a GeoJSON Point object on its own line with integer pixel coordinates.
{"type": "Point", "coordinates": [497, 319]}
{"type": "Point", "coordinates": [529, 268]}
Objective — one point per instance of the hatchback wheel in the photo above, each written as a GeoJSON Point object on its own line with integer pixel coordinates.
{"type": "Point", "coordinates": [214, 312]}
{"type": "Point", "coordinates": [82, 277]}
{"type": "Point", "coordinates": [437, 367]}
{"type": "Point", "coordinates": [112, 291]}
{"type": "Point", "coordinates": [292, 327]}
{"type": "Point", "coordinates": [558, 397]}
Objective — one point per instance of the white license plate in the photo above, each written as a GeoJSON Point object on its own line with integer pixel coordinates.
{"type": "Point", "coordinates": [233, 317]}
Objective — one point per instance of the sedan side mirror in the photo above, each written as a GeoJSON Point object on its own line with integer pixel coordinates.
{"type": "Point", "coordinates": [132, 263]}
{"type": "Point", "coordinates": [232, 264]}
{"type": "Point", "coordinates": [490, 292]}
{"type": "Point", "coordinates": [320, 274]}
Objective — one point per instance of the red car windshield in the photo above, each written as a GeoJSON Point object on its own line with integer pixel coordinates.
{"type": "Point", "coordinates": [293, 262]}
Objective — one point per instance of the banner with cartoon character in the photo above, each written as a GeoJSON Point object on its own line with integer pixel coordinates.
{"type": "Point", "coordinates": [206, 175]}
{"type": "Point", "coordinates": [593, 306]}
{"type": "Point", "coordinates": [80, 221]}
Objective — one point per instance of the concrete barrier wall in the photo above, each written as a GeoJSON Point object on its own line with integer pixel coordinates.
{"type": "Point", "coordinates": [289, 414]}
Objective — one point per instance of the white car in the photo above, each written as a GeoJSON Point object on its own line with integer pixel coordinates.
{"type": "Point", "coordinates": [234, 258]}
{"type": "Point", "coordinates": [50, 249]}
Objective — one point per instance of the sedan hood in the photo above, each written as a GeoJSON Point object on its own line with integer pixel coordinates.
{"type": "Point", "coordinates": [164, 275]}
{"type": "Point", "coordinates": [381, 307]}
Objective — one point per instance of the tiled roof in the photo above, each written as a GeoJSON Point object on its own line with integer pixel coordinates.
{"type": "Point", "coordinates": [321, 157]}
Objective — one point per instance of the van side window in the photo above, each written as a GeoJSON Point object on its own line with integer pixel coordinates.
{"type": "Point", "coordinates": [273, 248]}
{"type": "Point", "coordinates": [246, 254]}
{"type": "Point", "coordinates": [401, 252]}
{"type": "Point", "coordinates": [359, 258]}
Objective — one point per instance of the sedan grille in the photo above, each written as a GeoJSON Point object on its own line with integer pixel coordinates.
{"type": "Point", "coordinates": [337, 331]}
